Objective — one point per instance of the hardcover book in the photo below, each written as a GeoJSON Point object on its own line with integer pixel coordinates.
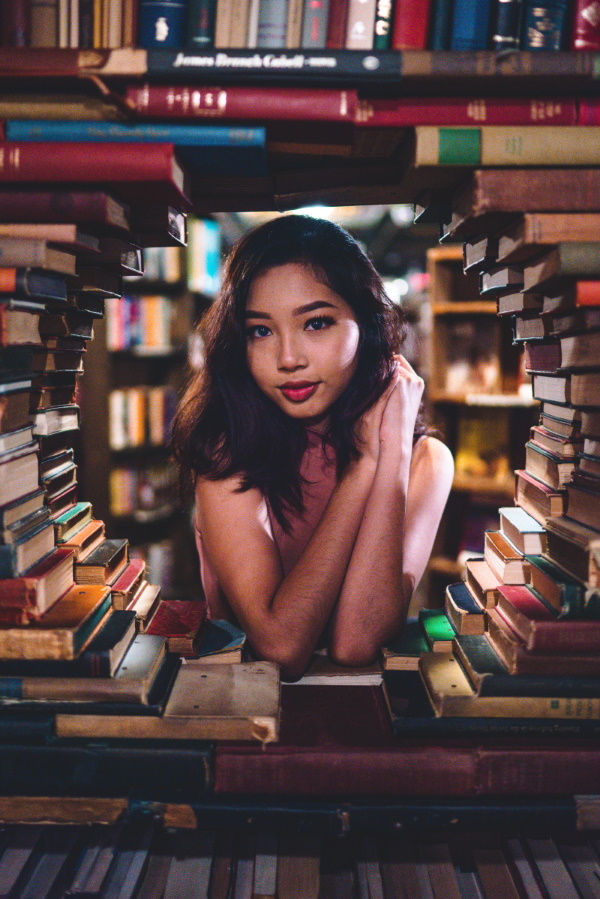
{"type": "Point", "coordinates": [181, 622]}
{"type": "Point", "coordinates": [104, 564]}
{"type": "Point", "coordinates": [214, 702]}
{"type": "Point", "coordinates": [539, 625]}
{"type": "Point", "coordinates": [63, 631]}
{"type": "Point", "coordinates": [525, 533]}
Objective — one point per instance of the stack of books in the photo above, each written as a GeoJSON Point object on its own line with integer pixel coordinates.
{"type": "Point", "coordinates": [522, 632]}
{"type": "Point", "coordinates": [87, 645]}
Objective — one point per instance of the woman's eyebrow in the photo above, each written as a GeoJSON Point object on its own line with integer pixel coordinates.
{"type": "Point", "coordinates": [300, 310]}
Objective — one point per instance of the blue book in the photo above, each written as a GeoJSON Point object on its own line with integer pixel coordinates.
{"type": "Point", "coordinates": [439, 27]}
{"type": "Point", "coordinates": [544, 24]}
{"type": "Point", "coordinates": [162, 24]}
{"type": "Point", "coordinates": [470, 25]}
{"type": "Point", "coordinates": [205, 149]}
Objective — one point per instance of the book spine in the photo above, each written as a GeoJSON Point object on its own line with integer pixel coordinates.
{"type": "Point", "coordinates": [544, 24]}
{"type": "Point", "coordinates": [360, 28]}
{"type": "Point", "coordinates": [510, 146]}
{"type": "Point", "coordinates": [314, 24]}
{"type": "Point", "coordinates": [15, 24]}
{"type": "Point", "coordinates": [86, 24]}
{"type": "Point", "coordinates": [585, 26]}
{"type": "Point", "coordinates": [200, 27]}
{"type": "Point", "coordinates": [470, 25]}
{"type": "Point", "coordinates": [337, 24]}
{"type": "Point", "coordinates": [44, 23]}
{"type": "Point", "coordinates": [382, 112]}
{"type": "Point", "coordinates": [440, 25]}
{"type": "Point", "coordinates": [54, 161]}
{"type": "Point", "coordinates": [272, 23]}
{"type": "Point", "coordinates": [384, 10]}
{"type": "Point", "coordinates": [228, 65]}
{"type": "Point", "coordinates": [506, 29]}
{"type": "Point", "coordinates": [321, 104]}
{"type": "Point", "coordinates": [411, 24]}
{"type": "Point", "coordinates": [293, 34]}
{"type": "Point", "coordinates": [162, 23]}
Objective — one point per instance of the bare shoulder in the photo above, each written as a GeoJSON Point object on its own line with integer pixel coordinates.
{"type": "Point", "coordinates": [432, 459]}
{"type": "Point", "coordinates": [224, 501]}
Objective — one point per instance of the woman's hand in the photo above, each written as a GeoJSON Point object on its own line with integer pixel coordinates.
{"type": "Point", "coordinates": [369, 425]}
{"type": "Point", "coordinates": [402, 406]}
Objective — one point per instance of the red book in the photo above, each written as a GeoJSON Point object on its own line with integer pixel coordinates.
{"type": "Point", "coordinates": [137, 170]}
{"type": "Point", "coordinates": [587, 293]}
{"type": "Point", "coordinates": [338, 740]}
{"type": "Point", "coordinates": [336, 24]}
{"type": "Point", "coordinates": [542, 357]}
{"type": "Point", "coordinates": [248, 103]}
{"type": "Point", "coordinates": [62, 206]}
{"type": "Point", "coordinates": [410, 24]}
{"type": "Point", "coordinates": [539, 626]}
{"type": "Point", "coordinates": [585, 28]}
{"type": "Point", "coordinates": [41, 586]}
{"type": "Point", "coordinates": [181, 622]}
{"type": "Point", "coordinates": [384, 112]}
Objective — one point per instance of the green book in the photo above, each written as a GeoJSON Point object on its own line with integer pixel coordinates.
{"type": "Point", "coordinates": [402, 653]}
{"type": "Point", "coordinates": [437, 629]}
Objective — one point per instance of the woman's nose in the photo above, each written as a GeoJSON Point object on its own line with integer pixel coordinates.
{"type": "Point", "coordinates": [291, 353]}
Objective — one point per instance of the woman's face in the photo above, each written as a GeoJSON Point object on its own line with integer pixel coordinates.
{"type": "Point", "coordinates": [302, 341]}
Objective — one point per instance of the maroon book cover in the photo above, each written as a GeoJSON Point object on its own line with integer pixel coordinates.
{"type": "Point", "coordinates": [336, 24]}
{"type": "Point", "coordinates": [410, 26]}
{"type": "Point", "coordinates": [585, 30]}
{"type": "Point", "coordinates": [386, 112]}
{"type": "Point", "coordinates": [542, 357]}
{"type": "Point", "coordinates": [338, 740]}
{"type": "Point", "coordinates": [139, 169]}
{"type": "Point", "coordinates": [181, 622]}
{"type": "Point", "coordinates": [248, 103]}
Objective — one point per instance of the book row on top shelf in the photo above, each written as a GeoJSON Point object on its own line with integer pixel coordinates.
{"type": "Point", "coordinates": [329, 24]}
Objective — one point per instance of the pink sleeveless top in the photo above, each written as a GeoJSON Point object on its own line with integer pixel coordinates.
{"type": "Point", "coordinates": [318, 469]}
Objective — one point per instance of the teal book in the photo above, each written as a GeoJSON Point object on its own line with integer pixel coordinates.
{"type": "Point", "coordinates": [437, 629]}
{"type": "Point", "coordinates": [205, 149]}
{"type": "Point", "coordinates": [402, 653]}
{"type": "Point", "coordinates": [570, 597]}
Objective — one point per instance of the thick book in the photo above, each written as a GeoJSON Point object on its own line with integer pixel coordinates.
{"type": "Point", "coordinates": [576, 548]}
{"type": "Point", "coordinates": [550, 468]}
{"type": "Point", "coordinates": [437, 628]}
{"type": "Point", "coordinates": [157, 772]}
{"type": "Point", "coordinates": [206, 149]}
{"type": "Point", "coordinates": [530, 234]}
{"type": "Point", "coordinates": [63, 631]}
{"type": "Point", "coordinates": [31, 283]}
{"type": "Point", "coordinates": [464, 611]}
{"type": "Point", "coordinates": [537, 499]}
{"type": "Point", "coordinates": [245, 103]}
{"type": "Point", "coordinates": [181, 623]}
{"type": "Point", "coordinates": [101, 657]}
{"type": "Point", "coordinates": [482, 581]}
{"type": "Point", "coordinates": [125, 587]}
{"type": "Point", "coordinates": [470, 25]}
{"type": "Point", "coordinates": [103, 564]}
{"type": "Point", "coordinates": [131, 682]}
{"type": "Point", "coordinates": [506, 146]}
{"type": "Point", "coordinates": [451, 693]}
{"type": "Point", "coordinates": [134, 168]}
{"type": "Point", "coordinates": [402, 653]}
{"type": "Point", "coordinates": [570, 597]}
{"type": "Point", "coordinates": [27, 550]}
{"type": "Point", "coordinates": [25, 505]}
{"type": "Point", "coordinates": [562, 264]}
{"type": "Point", "coordinates": [64, 207]}
{"type": "Point", "coordinates": [19, 472]}
{"type": "Point", "coordinates": [206, 702]}
{"type": "Point", "coordinates": [539, 625]}
{"type": "Point", "coordinates": [35, 252]}
{"type": "Point", "coordinates": [489, 197]}
{"type": "Point", "coordinates": [525, 533]}
{"type": "Point", "coordinates": [583, 505]}
{"type": "Point", "coordinates": [506, 562]}
{"type": "Point", "coordinates": [544, 25]}
{"type": "Point", "coordinates": [221, 642]}
{"type": "Point", "coordinates": [37, 590]}
{"type": "Point", "coordinates": [513, 653]}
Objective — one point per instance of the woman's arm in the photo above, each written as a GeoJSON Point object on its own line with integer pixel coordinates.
{"type": "Point", "coordinates": [394, 542]}
{"type": "Point", "coordinates": [283, 616]}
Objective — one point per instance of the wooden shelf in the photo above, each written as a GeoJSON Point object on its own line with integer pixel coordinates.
{"type": "Point", "coordinates": [471, 484]}
{"type": "Point", "coordinates": [467, 307]}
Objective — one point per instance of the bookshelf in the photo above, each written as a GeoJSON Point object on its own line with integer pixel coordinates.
{"type": "Point", "coordinates": [307, 177]}
{"type": "Point", "coordinates": [475, 398]}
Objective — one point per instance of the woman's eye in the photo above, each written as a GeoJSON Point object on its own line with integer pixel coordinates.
{"type": "Point", "coordinates": [258, 331]}
{"type": "Point", "coordinates": [320, 322]}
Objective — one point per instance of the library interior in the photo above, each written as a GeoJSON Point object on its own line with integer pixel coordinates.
{"type": "Point", "coordinates": [147, 748]}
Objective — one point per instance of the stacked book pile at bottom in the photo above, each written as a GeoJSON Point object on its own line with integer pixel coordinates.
{"type": "Point", "coordinates": [523, 634]}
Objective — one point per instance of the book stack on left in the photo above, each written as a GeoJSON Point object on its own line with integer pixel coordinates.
{"type": "Point", "coordinates": [522, 633]}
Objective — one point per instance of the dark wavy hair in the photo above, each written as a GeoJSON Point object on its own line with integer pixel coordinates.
{"type": "Point", "coordinates": [225, 425]}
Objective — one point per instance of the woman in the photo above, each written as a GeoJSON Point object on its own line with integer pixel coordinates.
{"type": "Point", "coordinates": [318, 493]}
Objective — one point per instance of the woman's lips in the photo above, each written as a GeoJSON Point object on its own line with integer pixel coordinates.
{"type": "Point", "coordinates": [299, 391]}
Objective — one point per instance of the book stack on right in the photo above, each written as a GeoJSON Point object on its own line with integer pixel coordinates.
{"type": "Point", "coordinates": [532, 657]}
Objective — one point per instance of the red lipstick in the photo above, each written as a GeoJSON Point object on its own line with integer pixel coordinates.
{"type": "Point", "coordinates": [298, 391]}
